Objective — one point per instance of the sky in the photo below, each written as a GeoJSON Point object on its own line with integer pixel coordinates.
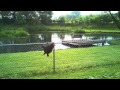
{"type": "Point", "coordinates": [56, 14]}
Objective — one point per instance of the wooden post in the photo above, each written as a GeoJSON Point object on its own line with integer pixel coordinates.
{"type": "Point", "coordinates": [53, 60]}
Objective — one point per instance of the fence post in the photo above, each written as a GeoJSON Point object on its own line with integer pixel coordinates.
{"type": "Point", "coordinates": [53, 60]}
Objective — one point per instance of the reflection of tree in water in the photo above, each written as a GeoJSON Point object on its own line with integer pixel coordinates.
{"type": "Point", "coordinates": [46, 36]}
{"type": "Point", "coordinates": [77, 35]}
{"type": "Point", "coordinates": [20, 40]}
{"type": "Point", "coordinates": [6, 40]}
{"type": "Point", "coordinates": [13, 40]}
{"type": "Point", "coordinates": [33, 38]}
{"type": "Point", "coordinates": [61, 35]}
{"type": "Point", "coordinates": [96, 36]}
{"type": "Point", "coordinates": [102, 36]}
{"type": "Point", "coordinates": [38, 38]}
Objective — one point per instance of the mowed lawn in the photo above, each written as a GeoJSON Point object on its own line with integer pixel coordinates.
{"type": "Point", "coordinates": [74, 63]}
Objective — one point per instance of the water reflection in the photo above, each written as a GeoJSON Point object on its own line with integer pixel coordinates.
{"type": "Point", "coordinates": [57, 38]}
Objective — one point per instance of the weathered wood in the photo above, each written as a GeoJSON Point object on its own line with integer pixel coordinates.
{"type": "Point", "coordinates": [78, 43]}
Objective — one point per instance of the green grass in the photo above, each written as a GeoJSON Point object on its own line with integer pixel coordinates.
{"type": "Point", "coordinates": [100, 31]}
{"type": "Point", "coordinates": [114, 42]}
{"type": "Point", "coordinates": [77, 63]}
{"type": "Point", "coordinates": [68, 28]}
{"type": "Point", "coordinates": [74, 28]}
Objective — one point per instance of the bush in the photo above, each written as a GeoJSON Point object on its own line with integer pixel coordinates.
{"type": "Point", "coordinates": [21, 33]}
{"type": "Point", "coordinates": [6, 33]}
{"type": "Point", "coordinates": [16, 33]}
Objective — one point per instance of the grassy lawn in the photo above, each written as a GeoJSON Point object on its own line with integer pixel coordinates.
{"type": "Point", "coordinates": [114, 42]}
{"type": "Point", "coordinates": [78, 28]}
{"type": "Point", "coordinates": [75, 63]}
{"type": "Point", "coordinates": [68, 28]}
{"type": "Point", "coordinates": [98, 30]}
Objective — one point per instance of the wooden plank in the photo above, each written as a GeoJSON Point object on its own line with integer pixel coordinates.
{"type": "Point", "coordinates": [81, 42]}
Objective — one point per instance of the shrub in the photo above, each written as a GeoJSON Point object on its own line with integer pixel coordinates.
{"type": "Point", "coordinates": [79, 31]}
{"type": "Point", "coordinates": [16, 33]}
{"type": "Point", "coordinates": [21, 33]}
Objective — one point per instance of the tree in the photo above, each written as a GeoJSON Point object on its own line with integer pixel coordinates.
{"type": "Point", "coordinates": [5, 16]}
{"type": "Point", "coordinates": [13, 16]}
{"type": "Point", "coordinates": [61, 20]}
{"type": "Point", "coordinates": [75, 14]}
{"type": "Point", "coordinates": [26, 17]}
{"type": "Point", "coordinates": [117, 22]}
{"type": "Point", "coordinates": [73, 17]}
{"type": "Point", "coordinates": [68, 17]}
{"type": "Point", "coordinates": [45, 17]}
{"type": "Point", "coordinates": [119, 14]}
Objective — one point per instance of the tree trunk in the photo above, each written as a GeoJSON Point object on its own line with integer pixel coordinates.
{"type": "Point", "coordinates": [115, 20]}
{"type": "Point", "coordinates": [119, 14]}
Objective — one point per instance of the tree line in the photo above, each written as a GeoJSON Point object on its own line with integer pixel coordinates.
{"type": "Point", "coordinates": [45, 17]}
{"type": "Point", "coordinates": [25, 17]}
{"type": "Point", "coordinates": [99, 19]}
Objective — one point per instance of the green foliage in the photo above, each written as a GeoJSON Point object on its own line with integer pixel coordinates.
{"type": "Point", "coordinates": [73, 17]}
{"type": "Point", "coordinates": [61, 20]}
{"type": "Point", "coordinates": [8, 30]}
{"type": "Point", "coordinates": [44, 17]}
{"type": "Point", "coordinates": [100, 19]}
{"type": "Point", "coordinates": [14, 33]}
{"type": "Point", "coordinates": [25, 17]}
{"type": "Point", "coordinates": [21, 33]}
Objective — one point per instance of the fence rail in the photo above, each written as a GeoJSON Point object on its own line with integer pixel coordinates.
{"type": "Point", "coordinates": [9, 48]}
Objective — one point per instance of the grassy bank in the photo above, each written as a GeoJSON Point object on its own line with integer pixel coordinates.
{"type": "Point", "coordinates": [93, 62]}
{"type": "Point", "coordinates": [114, 42]}
{"type": "Point", "coordinates": [76, 28]}
{"type": "Point", "coordinates": [69, 28]}
{"type": "Point", "coordinates": [13, 33]}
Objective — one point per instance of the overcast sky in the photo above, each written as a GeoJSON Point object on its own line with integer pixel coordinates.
{"type": "Point", "coordinates": [56, 14]}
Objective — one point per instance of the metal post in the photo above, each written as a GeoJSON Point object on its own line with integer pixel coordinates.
{"type": "Point", "coordinates": [53, 60]}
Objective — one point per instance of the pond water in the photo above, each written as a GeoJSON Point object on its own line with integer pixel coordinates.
{"type": "Point", "coordinates": [57, 37]}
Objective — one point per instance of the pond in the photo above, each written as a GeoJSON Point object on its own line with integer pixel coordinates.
{"type": "Point", "coordinates": [36, 40]}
